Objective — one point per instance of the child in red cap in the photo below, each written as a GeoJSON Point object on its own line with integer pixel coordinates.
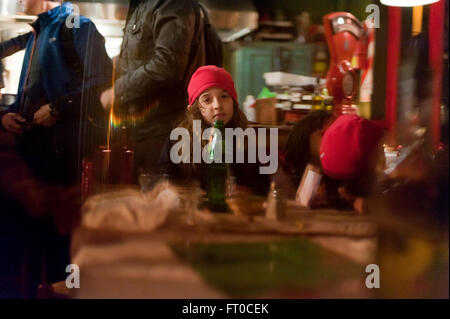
{"type": "Point", "coordinates": [212, 97]}
{"type": "Point", "coordinates": [349, 152]}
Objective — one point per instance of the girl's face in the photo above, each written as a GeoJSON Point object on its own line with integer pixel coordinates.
{"type": "Point", "coordinates": [216, 104]}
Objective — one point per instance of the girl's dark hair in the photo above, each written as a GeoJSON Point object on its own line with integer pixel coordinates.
{"type": "Point", "coordinates": [297, 148]}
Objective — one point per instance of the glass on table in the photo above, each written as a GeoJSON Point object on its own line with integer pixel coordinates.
{"type": "Point", "coordinates": [191, 197]}
{"type": "Point", "coordinates": [148, 178]}
{"type": "Point", "coordinates": [145, 179]}
{"type": "Point", "coordinates": [231, 186]}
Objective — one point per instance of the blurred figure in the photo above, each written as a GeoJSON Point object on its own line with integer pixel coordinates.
{"type": "Point", "coordinates": [350, 151]}
{"type": "Point", "coordinates": [164, 43]}
{"type": "Point", "coordinates": [345, 152]}
{"type": "Point", "coordinates": [64, 70]}
{"type": "Point", "coordinates": [33, 215]}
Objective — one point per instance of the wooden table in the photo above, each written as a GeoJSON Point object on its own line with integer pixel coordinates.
{"type": "Point", "coordinates": [311, 253]}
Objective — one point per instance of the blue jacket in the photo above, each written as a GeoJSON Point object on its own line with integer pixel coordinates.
{"type": "Point", "coordinates": [61, 82]}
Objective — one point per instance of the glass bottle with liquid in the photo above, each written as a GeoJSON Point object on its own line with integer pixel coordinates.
{"type": "Point", "coordinates": [218, 170]}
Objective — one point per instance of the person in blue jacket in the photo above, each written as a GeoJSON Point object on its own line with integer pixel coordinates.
{"type": "Point", "coordinates": [64, 71]}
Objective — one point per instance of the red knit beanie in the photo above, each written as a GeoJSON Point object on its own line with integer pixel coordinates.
{"type": "Point", "coordinates": [347, 147]}
{"type": "Point", "coordinates": [210, 76]}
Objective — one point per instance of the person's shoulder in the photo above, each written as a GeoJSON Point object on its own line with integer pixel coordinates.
{"type": "Point", "coordinates": [84, 25]}
{"type": "Point", "coordinates": [75, 22]}
{"type": "Point", "coordinates": [84, 22]}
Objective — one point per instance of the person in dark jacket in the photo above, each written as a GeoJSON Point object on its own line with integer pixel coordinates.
{"type": "Point", "coordinates": [162, 46]}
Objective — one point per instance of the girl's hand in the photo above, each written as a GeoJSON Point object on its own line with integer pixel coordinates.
{"type": "Point", "coordinates": [107, 99]}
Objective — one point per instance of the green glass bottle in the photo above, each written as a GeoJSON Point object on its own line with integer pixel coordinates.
{"type": "Point", "coordinates": [217, 172]}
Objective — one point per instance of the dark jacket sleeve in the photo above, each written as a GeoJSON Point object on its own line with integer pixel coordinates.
{"type": "Point", "coordinates": [89, 45]}
{"type": "Point", "coordinates": [7, 48]}
{"type": "Point", "coordinates": [173, 31]}
{"type": "Point", "coordinates": [14, 45]}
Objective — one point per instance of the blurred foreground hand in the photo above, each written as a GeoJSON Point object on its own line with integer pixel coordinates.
{"type": "Point", "coordinates": [107, 99]}
{"type": "Point", "coordinates": [13, 123]}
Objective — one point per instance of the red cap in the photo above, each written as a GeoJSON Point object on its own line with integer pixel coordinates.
{"type": "Point", "coordinates": [210, 76]}
{"type": "Point", "coordinates": [347, 146]}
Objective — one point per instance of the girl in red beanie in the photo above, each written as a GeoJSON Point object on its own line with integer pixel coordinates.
{"type": "Point", "coordinates": [212, 96]}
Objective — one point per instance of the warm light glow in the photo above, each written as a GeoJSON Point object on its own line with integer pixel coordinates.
{"type": "Point", "coordinates": [407, 3]}
{"type": "Point", "coordinates": [417, 20]}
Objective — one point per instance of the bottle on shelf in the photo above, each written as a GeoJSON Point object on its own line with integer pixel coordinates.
{"type": "Point", "coordinates": [317, 100]}
{"type": "Point", "coordinates": [320, 59]}
{"type": "Point", "coordinates": [327, 100]}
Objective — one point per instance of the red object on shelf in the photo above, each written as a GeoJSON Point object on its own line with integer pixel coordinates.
{"type": "Point", "coordinates": [345, 35]}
